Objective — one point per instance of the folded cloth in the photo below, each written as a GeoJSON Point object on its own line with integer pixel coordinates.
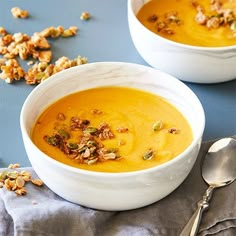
{"type": "Point", "coordinates": [43, 213]}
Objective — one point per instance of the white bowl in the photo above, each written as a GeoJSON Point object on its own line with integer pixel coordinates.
{"type": "Point", "coordinates": [185, 62]}
{"type": "Point", "coordinates": [112, 191]}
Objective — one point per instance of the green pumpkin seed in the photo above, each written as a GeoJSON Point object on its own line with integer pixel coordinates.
{"type": "Point", "coordinates": [90, 130]}
{"type": "Point", "coordinates": [64, 134]}
{"type": "Point", "coordinates": [73, 145]}
{"type": "Point", "coordinates": [12, 175]}
{"type": "Point", "coordinates": [51, 140]}
{"type": "Point", "coordinates": [3, 175]}
{"type": "Point", "coordinates": [148, 155]}
{"type": "Point", "coordinates": [158, 125]}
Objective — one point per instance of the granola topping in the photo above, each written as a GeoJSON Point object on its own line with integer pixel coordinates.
{"type": "Point", "coordinates": [79, 140]}
{"type": "Point", "coordinates": [165, 24]}
{"type": "Point", "coordinates": [213, 17]}
{"type": "Point", "coordinates": [218, 16]}
{"type": "Point", "coordinates": [90, 148]}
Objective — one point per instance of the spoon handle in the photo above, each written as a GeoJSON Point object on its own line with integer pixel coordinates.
{"type": "Point", "coordinates": [191, 228]}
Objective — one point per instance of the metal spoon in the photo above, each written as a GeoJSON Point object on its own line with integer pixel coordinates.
{"type": "Point", "coordinates": [218, 170]}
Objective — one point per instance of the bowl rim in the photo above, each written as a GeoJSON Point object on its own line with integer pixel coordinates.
{"type": "Point", "coordinates": [171, 42]}
{"type": "Point", "coordinates": [26, 136]}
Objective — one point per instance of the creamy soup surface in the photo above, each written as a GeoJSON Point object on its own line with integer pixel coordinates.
{"type": "Point", "coordinates": [112, 129]}
{"type": "Point", "coordinates": [204, 23]}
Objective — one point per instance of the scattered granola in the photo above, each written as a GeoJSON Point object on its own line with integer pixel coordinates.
{"type": "Point", "coordinates": [85, 16]}
{"type": "Point", "coordinates": [11, 70]}
{"type": "Point", "coordinates": [16, 181]}
{"type": "Point", "coordinates": [19, 13]}
{"type": "Point", "coordinates": [37, 182]}
{"type": "Point", "coordinates": [14, 166]}
{"type": "Point", "coordinates": [37, 47]}
{"type": "Point", "coordinates": [3, 31]}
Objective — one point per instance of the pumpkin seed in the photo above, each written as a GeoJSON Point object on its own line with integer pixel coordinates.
{"type": "Point", "coordinates": [148, 155]}
{"type": "Point", "coordinates": [20, 182]}
{"type": "Point", "coordinates": [90, 130]}
{"type": "Point", "coordinates": [73, 145]}
{"type": "Point", "coordinates": [12, 175]}
{"type": "Point", "coordinates": [158, 125]}
{"type": "Point", "coordinates": [51, 141]}
{"type": "Point", "coordinates": [3, 175]}
{"type": "Point", "coordinates": [92, 161]}
{"type": "Point", "coordinates": [64, 133]}
{"type": "Point", "coordinates": [233, 26]}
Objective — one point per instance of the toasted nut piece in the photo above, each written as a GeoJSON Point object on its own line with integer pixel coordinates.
{"type": "Point", "coordinates": [20, 37]}
{"type": "Point", "coordinates": [40, 41]}
{"type": "Point", "coordinates": [11, 71]}
{"type": "Point", "coordinates": [13, 166]}
{"type": "Point", "coordinates": [6, 40]}
{"type": "Point", "coordinates": [19, 13]}
{"type": "Point", "coordinates": [71, 31]}
{"type": "Point", "coordinates": [37, 182]}
{"type": "Point", "coordinates": [21, 191]}
{"type": "Point", "coordinates": [45, 56]}
{"type": "Point", "coordinates": [20, 182]}
{"type": "Point", "coordinates": [85, 16]}
{"type": "Point", "coordinates": [26, 175]}
{"type": "Point", "coordinates": [2, 31]}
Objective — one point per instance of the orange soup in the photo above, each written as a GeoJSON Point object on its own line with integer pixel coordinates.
{"type": "Point", "coordinates": [112, 129]}
{"type": "Point", "coordinates": [200, 23]}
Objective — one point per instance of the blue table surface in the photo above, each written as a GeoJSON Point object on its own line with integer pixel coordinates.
{"type": "Point", "coordinates": [105, 37]}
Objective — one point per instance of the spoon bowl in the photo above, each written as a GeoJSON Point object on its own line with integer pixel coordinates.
{"type": "Point", "coordinates": [218, 170]}
{"type": "Point", "coordinates": [219, 165]}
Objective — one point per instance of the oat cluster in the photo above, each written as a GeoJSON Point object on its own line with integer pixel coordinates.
{"type": "Point", "coordinates": [219, 16]}
{"type": "Point", "coordinates": [15, 181]}
{"type": "Point", "coordinates": [85, 16]}
{"type": "Point", "coordinates": [19, 13]}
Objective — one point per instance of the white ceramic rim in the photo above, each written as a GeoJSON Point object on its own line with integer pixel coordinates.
{"type": "Point", "coordinates": [197, 136]}
{"type": "Point", "coordinates": [200, 48]}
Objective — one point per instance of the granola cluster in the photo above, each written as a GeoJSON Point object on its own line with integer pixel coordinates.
{"type": "Point", "coordinates": [165, 25]}
{"type": "Point", "coordinates": [36, 47]}
{"type": "Point", "coordinates": [15, 181]}
{"type": "Point", "coordinates": [219, 16]}
{"type": "Point", "coordinates": [19, 13]}
{"type": "Point", "coordinates": [85, 15]}
{"type": "Point", "coordinates": [89, 148]}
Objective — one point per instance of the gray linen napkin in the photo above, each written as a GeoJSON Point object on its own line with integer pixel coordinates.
{"type": "Point", "coordinates": [43, 213]}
